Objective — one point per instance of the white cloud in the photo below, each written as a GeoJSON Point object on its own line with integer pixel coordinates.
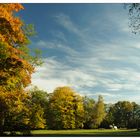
{"type": "Point", "coordinates": [89, 71]}
{"type": "Point", "coordinates": [48, 84]}
{"type": "Point", "coordinates": [66, 22]}
{"type": "Point", "coordinates": [134, 98]}
{"type": "Point", "coordinates": [59, 35]}
{"type": "Point", "coordinates": [54, 73]}
{"type": "Point", "coordinates": [57, 46]}
{"type": "Point", "coordinates": [105, 94]}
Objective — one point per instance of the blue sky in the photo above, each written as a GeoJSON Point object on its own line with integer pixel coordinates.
{"type": "Point", "coordinates": [88, 47]}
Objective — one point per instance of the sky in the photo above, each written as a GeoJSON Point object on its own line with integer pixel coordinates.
{"type": "Point", "coordinates": [88, 47]}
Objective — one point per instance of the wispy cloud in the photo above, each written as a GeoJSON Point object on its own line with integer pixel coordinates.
{"type": "Point", "coordinates": [106, 94]}
{"type": "Point", "coordinates": [65, 21]}
{"type": "Point", "coordinates": [55, 73]}
{"type": "Point", "coordinates": [57, 46]}
{"type": "Point", "coordinates": [59, 35]}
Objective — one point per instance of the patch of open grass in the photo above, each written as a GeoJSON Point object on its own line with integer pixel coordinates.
{"type": "Point", "coordinates": [80, 133]}
{"type": "Point", "coordinates": [86, 133]}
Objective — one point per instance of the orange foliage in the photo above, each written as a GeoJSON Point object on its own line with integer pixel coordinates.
{"type": "Point", "coordinates": [11, 31]}
{"type": "Point", "coordinates": [16, 66]}
{"type": "Point", "coordinates": [15, 71]}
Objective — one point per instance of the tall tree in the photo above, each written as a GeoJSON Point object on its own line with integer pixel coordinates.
{"type": "Point", "coordinates": [16, 64]}
{"type": "Point", "coordinates": [78, 111]}
{"type": "Point", "coordinates": [134, 119]}
{"type": "Point", "coordinates": [109, 118]}
{"type": "Point", "coordinates": [39, 99]}
{"type": "Point", "coordinates": [89, 104]}
{"type": "Point", "coordinates": [99, 112]}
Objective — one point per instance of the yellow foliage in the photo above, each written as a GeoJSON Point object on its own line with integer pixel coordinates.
{"type": "Point", "coordinates": [66, 109]}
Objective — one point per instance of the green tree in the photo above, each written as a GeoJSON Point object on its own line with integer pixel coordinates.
{"type": "Point", "coordinates": [40, 98]}
{"type": "Point", "coordinates": [134, 121]}
{"type": "Point", "coordinates": [99, 113]}
{"type": "Point", "coordinates": [109, 118]}
{"type": "Point", "coordinates": [89, 104]}
{"type": "Point", "coordinates": [120, 114]}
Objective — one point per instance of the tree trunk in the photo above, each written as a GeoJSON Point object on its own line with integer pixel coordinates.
{"type": "Point", "coordinates": [2, 120]}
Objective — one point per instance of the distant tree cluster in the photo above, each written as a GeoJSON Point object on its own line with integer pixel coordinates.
{"type": "Point", "coordinates": [123, 114]}
{"type": "Point", "coordinates": [65, 109]}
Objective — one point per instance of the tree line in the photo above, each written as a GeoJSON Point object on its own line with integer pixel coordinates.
{"type": "Point", "coordinates": [65, 109]}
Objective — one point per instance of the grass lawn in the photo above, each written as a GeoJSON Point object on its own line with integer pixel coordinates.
{"type": "Point", "coordinates": [81, 133]}
{"type": "Point", "coordinates": [86, 133]}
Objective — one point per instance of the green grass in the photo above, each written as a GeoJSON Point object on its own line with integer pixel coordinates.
{"type": "Point", "coordinates": [82, 132]}
{"type": "Point", "coordinates": [86, 133]}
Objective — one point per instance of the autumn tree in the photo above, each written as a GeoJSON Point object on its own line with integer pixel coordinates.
{"type": "Point", "coordinates": [78, 111]}
{"type": "Point", "coordinates": [65, 109]}
{"type": "Point", "coordinates": [16, 63]}
{"type": "Point", "coordinates": [35, 115]}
